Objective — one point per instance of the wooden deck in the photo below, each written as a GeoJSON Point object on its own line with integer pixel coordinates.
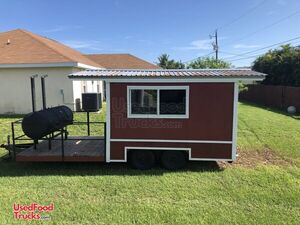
{"type": "Point", "coordinates": [87, 149]}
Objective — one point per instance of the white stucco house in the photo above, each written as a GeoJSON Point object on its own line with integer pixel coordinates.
{"type": "Point", "coordinates": [24, 54]}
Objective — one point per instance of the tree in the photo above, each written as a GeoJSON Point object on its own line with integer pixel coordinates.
{"type": "Point", "coordinates": [166, 63]}
{"type": "Point", "coordinates": [282, 66]}
{"type": "Point", "coordinates": [208, 63]}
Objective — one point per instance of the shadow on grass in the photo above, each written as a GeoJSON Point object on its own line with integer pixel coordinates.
{"type": "Point", "coordinates": [18, 169]}
{"type": "Point", "coordinates": [294, 116]}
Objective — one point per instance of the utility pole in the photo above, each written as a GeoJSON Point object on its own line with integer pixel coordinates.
{"type": "Point", "coordinates": [215, 44]}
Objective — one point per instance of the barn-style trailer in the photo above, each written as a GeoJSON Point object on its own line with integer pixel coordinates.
{"type": "Point", "coordinates": [166, 116]}
{"type": "Point", "coordinates": [171, 116]}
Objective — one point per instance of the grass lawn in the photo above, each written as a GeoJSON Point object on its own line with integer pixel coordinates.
{"type": "Point", "coordinates": [204, 193]}
{"type": "Point", "coordinates": [259, 128]}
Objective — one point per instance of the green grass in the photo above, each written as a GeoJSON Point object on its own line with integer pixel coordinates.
{"type": "Point", "coordinates": [95, 129]}
{"type": "Point", "coordinates": [260, 128]}
{"type": "Point", "coordinates": [201, 194]}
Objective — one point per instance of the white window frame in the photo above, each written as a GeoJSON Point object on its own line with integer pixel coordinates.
{"type": "Point", "coordinates": [158, 88]}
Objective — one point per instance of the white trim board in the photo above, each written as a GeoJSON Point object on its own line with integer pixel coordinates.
{"type": "Point", "coordinates": [85, 66]}
{"type": "Point", "coordinates": [47, 65]}
{"type": "Point", "coordinates": [158, 89]}
{"type": "Point", "coordinates": [107, 146]}
{"type": "Point", "coordinates": [172, 141]}
{"type": "Point", "coordinates": [38, 65]}
{"type": "Point", "coordinates": [167, 80]}
{"type": "Point", "coordinates": [189, 150]}
{"type": "Point", "coordinates": [235, 120]}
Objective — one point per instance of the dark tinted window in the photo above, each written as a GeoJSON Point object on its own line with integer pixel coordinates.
{"type": "Point", "coordinates": [172, 102]}
{"type": "Point", "coordinates": [144, 101]}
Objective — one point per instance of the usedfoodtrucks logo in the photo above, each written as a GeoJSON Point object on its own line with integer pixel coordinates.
{"type": "Point", "coordinates": [33, 211]}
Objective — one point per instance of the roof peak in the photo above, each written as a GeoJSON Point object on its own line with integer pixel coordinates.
{"type": "Point", "coordinates": [121, 61]}
{"type": "Point", "coordinates": [13, 30]}
{"type": "Point", "coordinates": [42, 49]}
{"type": "Point", "coordinates": [109, 54]}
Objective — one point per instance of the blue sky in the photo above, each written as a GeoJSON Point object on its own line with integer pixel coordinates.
{"type": "Point", "coordinates": [147, 29]}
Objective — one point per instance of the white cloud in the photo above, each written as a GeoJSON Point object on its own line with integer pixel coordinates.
{"type": "Point", "coordinates": [281, 2]}
{"type": "Point", "coordinates": [271, 13]}
{"type": "Point", "coordinates": [61, 28]}
{"type": "Point", "coordinates": [203, 44]}
{"type": "Point", "coordinates": [77, 44]}
{"type": "Point", "coordinates": [245, 46]}
{"type": "Point", "coordinates": [200, 44]}
{"type": "Point", "coordinates": [146, 41]}
{"type": "Point", "coordinates": [128, 37]}
{"type": "Point", "coordinates": [117, 3]}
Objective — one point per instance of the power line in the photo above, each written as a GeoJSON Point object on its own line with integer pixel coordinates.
{"type": "Point", "coordinates": [259, 49]}
{"type": "Point", "coordinates": [199, 57]}
{"type": "Point", "coordinates": [248, 57]}
{"type": "Point", "coordinates": [266, 27]}
{"type": "Point", "coordinates": [229, 53]}
{"type": "Point", "coordinates": [245, 53]}
{"type": "Point", "coordinates": [243, 15]}
{"type": "Point", "coordinates": [215, 44]}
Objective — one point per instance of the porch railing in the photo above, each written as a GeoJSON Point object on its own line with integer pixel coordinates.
{"type": "Point", "coordinates": [22, 141]}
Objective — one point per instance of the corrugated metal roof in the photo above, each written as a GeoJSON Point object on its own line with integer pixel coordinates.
{"type": "Point", "coordinates": [166, 73]}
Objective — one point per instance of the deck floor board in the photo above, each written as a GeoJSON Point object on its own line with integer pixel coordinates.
{"type": "Point", "coordinates": [84, 149]}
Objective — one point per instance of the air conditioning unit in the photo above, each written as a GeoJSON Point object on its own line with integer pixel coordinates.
{"type": "Point", "coordinates": [91, 102]}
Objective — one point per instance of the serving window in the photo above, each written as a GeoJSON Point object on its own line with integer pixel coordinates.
{"type": "Point", "coordinates": [158, 101]}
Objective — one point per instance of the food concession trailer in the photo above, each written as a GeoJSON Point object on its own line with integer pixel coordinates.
{"type": "Point", "coordinates": [166, 116]}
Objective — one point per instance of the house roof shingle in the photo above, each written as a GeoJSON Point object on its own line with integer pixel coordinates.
{"type": "Point", "coordinates": [23, 47]}
{"type": "Point", "coordinates": [121, 61]}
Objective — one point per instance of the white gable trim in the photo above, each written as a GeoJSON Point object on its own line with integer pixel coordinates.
{"type": "Point", "coordinates": [38, 65]}
{"type": "Point", "coordinates": [45, 65]}
{"type": "Point", "coordinates": [85, 66]}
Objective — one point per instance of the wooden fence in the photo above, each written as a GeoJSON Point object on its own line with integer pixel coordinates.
{"type": "Point", "coordinates": [272, 96]}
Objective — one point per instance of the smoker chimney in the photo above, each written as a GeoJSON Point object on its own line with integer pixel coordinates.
{"type": "Point", "coordinates": [32, 84]}
{"type": "Point", "coordinates": [43, 91]}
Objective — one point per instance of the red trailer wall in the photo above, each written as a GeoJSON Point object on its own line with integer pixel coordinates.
{"type": "Point", "coordinates": [210, 119]}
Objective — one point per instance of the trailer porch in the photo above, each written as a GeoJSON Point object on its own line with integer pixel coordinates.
{"type": "Point", "coordinates": [74, 149]}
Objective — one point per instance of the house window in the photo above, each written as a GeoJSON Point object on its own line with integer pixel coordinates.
{"type": "Point", "coordinates": [158, 101]}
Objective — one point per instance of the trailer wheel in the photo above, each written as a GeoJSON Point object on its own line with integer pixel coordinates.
{"type": "Point", "coordinates": [142, 159]}
{"type": "Point", "coordinates": [173, 160]}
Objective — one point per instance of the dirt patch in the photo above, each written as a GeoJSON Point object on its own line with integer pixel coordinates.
{"type": "Point", "coordinates": [252, 158]}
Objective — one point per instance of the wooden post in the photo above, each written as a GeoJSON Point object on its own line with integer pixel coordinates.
{"type": "Point", "coordinates": [88, 122]}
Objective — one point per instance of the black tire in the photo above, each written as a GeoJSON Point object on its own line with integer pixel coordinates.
{"type": "Point", "coordinates": [142, 159]}
{"type": "Point", "coordinates": [173, 160]}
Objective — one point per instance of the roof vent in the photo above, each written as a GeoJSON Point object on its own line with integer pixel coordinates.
{"type": "Point", "coordinates": [8, 41]}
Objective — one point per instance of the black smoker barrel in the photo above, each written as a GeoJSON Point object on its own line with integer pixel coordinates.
{"type": "Point", "coordinates": [41, 123]}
